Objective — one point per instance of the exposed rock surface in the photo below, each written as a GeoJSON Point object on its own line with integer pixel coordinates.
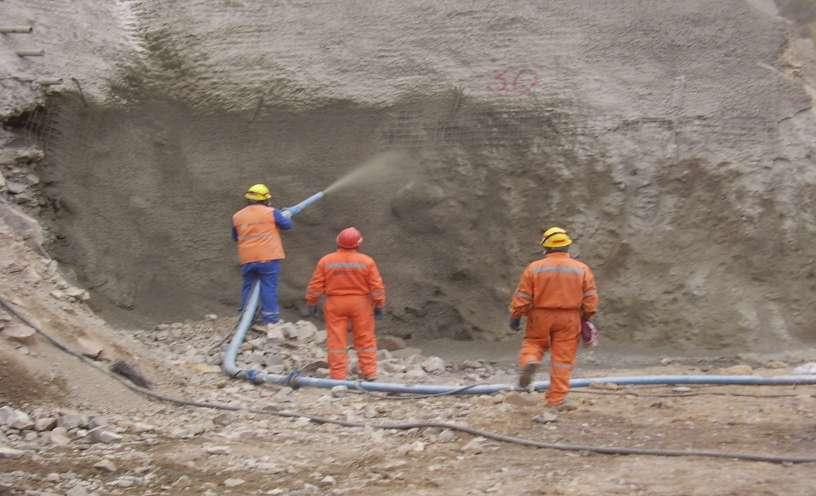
{"type": "Point", "coordinates": [649, 130]}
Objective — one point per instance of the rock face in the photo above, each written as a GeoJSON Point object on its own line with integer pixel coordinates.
{"type": "Point", "coordinates": [674, 139]}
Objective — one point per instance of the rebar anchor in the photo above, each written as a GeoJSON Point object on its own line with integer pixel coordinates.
{"type": "Point", "coordinates": [15, 29]}
{"type": "Point", "coordinates": [30, 53]}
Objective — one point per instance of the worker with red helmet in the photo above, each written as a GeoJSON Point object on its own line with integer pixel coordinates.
{"type": "Point", "coordinates": [555, 293]}
{"type": "Point", "coordinates": [355, 294]}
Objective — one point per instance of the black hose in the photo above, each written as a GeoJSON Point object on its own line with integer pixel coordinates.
{"type": "Point", "coordinates": [606, 450]}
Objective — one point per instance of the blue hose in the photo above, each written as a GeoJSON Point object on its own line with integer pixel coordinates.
{"type": "Point", "coordinates": [296, 209]}
{"type": "Point", "coordinates": [295, 380]}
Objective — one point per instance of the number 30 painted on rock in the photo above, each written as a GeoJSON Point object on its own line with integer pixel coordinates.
{"type": "Point", "coordinates": [512, 81]}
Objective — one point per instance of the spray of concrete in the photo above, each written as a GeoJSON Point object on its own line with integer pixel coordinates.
{"type": "Point", "coordinates": [375, 169]}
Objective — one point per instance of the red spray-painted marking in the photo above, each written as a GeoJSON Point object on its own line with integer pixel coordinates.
{"type": "Point", "coordinates": [512, 81]}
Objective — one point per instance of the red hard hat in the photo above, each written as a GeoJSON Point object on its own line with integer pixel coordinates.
{"type": "Point", "coordinates": [349, 238]}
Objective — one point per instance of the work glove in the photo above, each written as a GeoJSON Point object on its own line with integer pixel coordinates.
{"type": "Point", "coordinates": [313, 310]}
{"type": "Point", "coordinates": [378, 313]}
{"type": "Point", "coordinates": [515, 324]}
{"type": "Point", "coordinates": [589, 333]}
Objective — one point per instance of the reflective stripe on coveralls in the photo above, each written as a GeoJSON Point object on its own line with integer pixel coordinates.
{"type": "Point", "coordinates": [554, 293]}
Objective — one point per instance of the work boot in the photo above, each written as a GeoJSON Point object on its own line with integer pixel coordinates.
{"type": "Point", "coordinates": [526, 376]}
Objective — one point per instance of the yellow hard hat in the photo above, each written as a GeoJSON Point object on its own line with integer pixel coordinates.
{"type": "Point", "coordinates": [555, 237]}
{"type": "Point", "coordinates": [257, 192]}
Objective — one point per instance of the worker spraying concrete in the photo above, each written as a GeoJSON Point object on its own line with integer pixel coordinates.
{"type": "Point", "coordinates": [256, 230]}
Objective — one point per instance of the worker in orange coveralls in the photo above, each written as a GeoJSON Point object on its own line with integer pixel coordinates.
{"type": "Point", "coordinates": [555, 293]}
{"type": "Point", "coordinates": [354, 293]}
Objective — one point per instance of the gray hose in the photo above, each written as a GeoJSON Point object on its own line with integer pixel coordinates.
{"type": "Point", "coordinates": [606, 450]}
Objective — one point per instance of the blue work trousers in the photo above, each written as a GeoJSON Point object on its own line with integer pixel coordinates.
{"type": "Point", "coordinates": [267, 273]}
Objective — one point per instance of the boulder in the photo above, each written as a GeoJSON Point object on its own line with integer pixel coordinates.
{"type": "Point", "coordinates": [806, 368]}
{"type": "Point", "coordinates": [78, 293]}
{"type": "Point", "coordinates": [471, 365]}
{"type": "Point", "coordinates": [16, 188]}
{"type": "Point", "coordinates": [16, 419]}
{"type": "Point", "coordinates": [59, 437]}
{"type": "Point", "coordinates": [77, 491]}
{"type": "Point", "coordinates": [392, 366]}
{"type": "Point", "coordinates": [100, 435]}
{"type": "Point", "coordinates": [545, 418]}
{"type": "Point", "coordinates": [433, 365]}
{"type": "Point", "coordinates": [305, 330]}
{"type": "Point", "coordinates": [90, 348]}
{"type": "Point", "coordinates": [339, 391]}
{"type": "Point", "coordinates": [19, 333]}
{"type": "Point", "coordinates": [105, 465]}
{"type": "Point", "coordinates": [72, 420]}
{"type": "Point", "coordinates": [45, 424]}
{"type": "Point", "coordinates": [6, 452]}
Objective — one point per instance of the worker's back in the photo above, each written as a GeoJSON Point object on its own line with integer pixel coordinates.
{"type": "Point", "coordinates": [349, 272]}
{"type": "Point", "coordinates": [257, 233]}
{"type": "Point", "coordinates": [559, 282]}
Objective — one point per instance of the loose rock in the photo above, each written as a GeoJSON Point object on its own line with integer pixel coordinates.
{"type": "Point", "coordinates": [433, 365]}
{"type": "Point", "coordinates": [105, 465]}
{"type": "Point", "coordinates": [391, 343]}
{"type": "Point", "coordinates": [19, 333]}
{"type": "Point", "coordinates": [45, 424]}
{"type": "Point", "coordinates": [339, 391]}
{"type": "Point", "coordinates": [16, 419]}
{"type": "Point", "coordinates": [73, 421]}
{"type": "Point", "coordinates": [59, 437]}
{"type": "Point", "coordinates": [233, 482]}
{"type": "Point", "coordinates": [475, 445]}
{"type": "Point", "coordinates": [6, 452]}
{"type": "Point", "coordinates": [776, 364]}
{"type": "Point", "coordinates": [99, 435]}
{"type": "Point", "coordinates": [545, 418]}
{"type": "Point", "coordinates": [90, 348]}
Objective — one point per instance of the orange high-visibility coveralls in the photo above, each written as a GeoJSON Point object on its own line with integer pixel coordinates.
{"type": "Point", "coordinates": [353, 286]}
{"type": "Point", "coordinates": [555, 293]}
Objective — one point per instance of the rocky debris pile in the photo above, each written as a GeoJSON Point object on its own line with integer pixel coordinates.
{"type": "Point", "coordinates": [300, 345]}
{"type": "Point", "coordinates": [42, 428]}
{"type": "Point", "coordinates": [17, 178]}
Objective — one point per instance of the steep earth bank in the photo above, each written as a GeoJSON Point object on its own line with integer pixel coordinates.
{"type": "Point", "coordinates": [674, 140]}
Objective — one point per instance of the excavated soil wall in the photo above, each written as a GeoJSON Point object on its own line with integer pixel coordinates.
{"type": "Point", "coordinates": [674, 139]}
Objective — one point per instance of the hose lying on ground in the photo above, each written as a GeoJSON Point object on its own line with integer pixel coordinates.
{"type": "Point", "coordinates": [294, 379]}
{"type": "Point", "coordinates": [607, 450]}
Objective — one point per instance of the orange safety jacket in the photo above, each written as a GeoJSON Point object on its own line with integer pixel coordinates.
{"type": "Point", "coordinates": [556, 281]}
{"type": "Point", "coordinates": [346, 272]}
{"type": "Point", "coordinates": [258, 236]}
